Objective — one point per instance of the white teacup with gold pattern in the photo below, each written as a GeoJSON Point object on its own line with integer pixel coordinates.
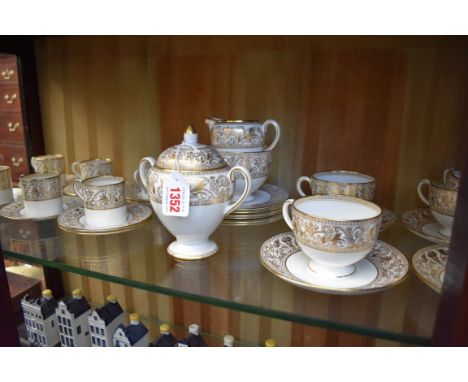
{"type": "Point", "coordinates": [92, 167]}
{"type": "Point", "coordinates": [42, 194]}
{"type": "Point", "coordinates": [104, 200]}
{"type": "Point", "coordinates": [452, 177]}
{"type": "Point", "coordinates": [50, 163]}
{"type": "Point", "coordinates": [242, 135]}
{"type": "Point", "coordinates": [349, 183]}
{"type": "Point", "coordinates": [442, 201]}
{"type": "Point", "coordinates": [334, 231]}
{"type": "Point", "coordinates": [6, 192]}
{"type": "Point", "coordinates": [257, 163]}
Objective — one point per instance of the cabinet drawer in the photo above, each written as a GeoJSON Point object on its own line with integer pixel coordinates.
{"type": "Point", "coordinates": [16, 157]}
{"type": "Point", "coordinates": [8, 70]}
{"type": "Point", "coordinates": [11, 127]}
{"type": "Point", "coordinates": [10, 98]}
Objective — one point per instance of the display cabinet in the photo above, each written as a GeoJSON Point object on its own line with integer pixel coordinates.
{"type": "Point", "coordinates": [391, 107]}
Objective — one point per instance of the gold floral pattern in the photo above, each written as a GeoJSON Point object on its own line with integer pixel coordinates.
{"type": "Point", "coordinates": [48, 163]}
{"type": "Point", "coordinates": [205, 189]}
{"type": "Point", "coordinates": [104, 197]}
{"type": "Point", "coordinates": [391, 264]}
{"type": "Point", "coordinates": [429, 264]}
{"type": "Point", "coordinates": [257, 163]}
{"type": "Point", "coordinates": [358, 190]}
{"type": "Point", "coordinates": [418, 220]}
{"type": "Point", "coordinates": [442, 199]}
{"type": "Point", "coordinates": [228, 135]}
{"type": "Point", "coordinates": [335, 236]}
{"type": "Point", "coordinates": [37, 189]}
{"type": "Point", "coordinates": [5, 178]}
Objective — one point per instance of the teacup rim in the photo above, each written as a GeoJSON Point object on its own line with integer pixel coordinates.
{"type": "Point", "coordinates": [39, 176]}
{"type": "Point", "coordinates": [87, 180]}
{"type": "Point", "coordinates": [237, 151]}
{"type": "Point", "coordinates": [49, 156]}
{"type": "Point", "coordinates": [95, 159]}
{"type": "Point", "coordinates": [442, 186]}
{"type": "Point", "coordinates": [313, 176]}
{"type": "Point", "coordinates": [339, 198]}
{"type": "Point", "coordinates": [237, 121]}
{"type": "Point", "coordinates": [4, 167]}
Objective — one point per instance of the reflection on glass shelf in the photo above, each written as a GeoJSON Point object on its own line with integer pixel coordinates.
{"type": "Point", "coordinates": [233, 278]}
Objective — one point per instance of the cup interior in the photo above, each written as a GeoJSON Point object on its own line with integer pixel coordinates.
{"type": "Point", "coordinates": [337, 209]}
{"type": "Point", "coordinates": [4, 168]}
{"type": "Point", "coordinates": [104, 181]}
{"type": "Point", "coordinates": [343, 177]}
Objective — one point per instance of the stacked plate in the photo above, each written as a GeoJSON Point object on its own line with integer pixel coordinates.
{"type": "Point", "coordinates": [264, 208]}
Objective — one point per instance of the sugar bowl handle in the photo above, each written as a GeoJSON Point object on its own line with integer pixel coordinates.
{"type": "Point", "coordinates": [248, 184]}
{"type": "Point", "coordinates": [286, 216]}
{"type": "Point", "coordinates": [145, 164]}
{"type": "Point", "coordinates": [299, 184]}
{"type": "Point", "coordinates": [78, 188]}
{"type": "Point", "coordinates": [422, 182]}
{"type": "Point", "coordinates": [272, 122]}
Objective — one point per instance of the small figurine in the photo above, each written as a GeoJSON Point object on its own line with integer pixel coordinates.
{"type": "Point", "coordinates": [166, 338]}
{"type": "Point", "coordinates": [104, 321]}
{"type": "Point", "coordinates": [40, 319]}
{"type": "Point", "coordinates": [72, 316]}
{"type": "Point", "coordinates": [228, 341]}
{"type": "Point", "coordinates": [134, 335]}
{"type": "Point", "coordinates": [194, 339]}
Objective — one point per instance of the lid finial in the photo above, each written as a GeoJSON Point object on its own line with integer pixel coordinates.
{"type": "Point", "coordinates": [190, 136]}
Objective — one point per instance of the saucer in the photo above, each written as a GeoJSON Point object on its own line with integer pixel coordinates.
{"type": "Point", "coordinates": [15, 210]}
{"type": "Point", "coordinates": [388, 219]}
{"type": "Point", "coordinates": [421, 222]}
{"type": "Point", "coordinates": [384, 267]}
{"type": "Point", "coordinates": [73, 221]}
{"type": "Point", "coordinates": [429, 265]}
{"type": "Point", "coordinates": [133, 194]}
{"type": "Point", "coordinates": [241, 222]}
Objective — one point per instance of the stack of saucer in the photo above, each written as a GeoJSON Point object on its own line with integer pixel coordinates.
{"type": "Point", "coordinates": [264, 208]}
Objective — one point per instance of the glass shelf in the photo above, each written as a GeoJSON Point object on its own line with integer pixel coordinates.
{"type": "Point", "coordinates": [233, 278]}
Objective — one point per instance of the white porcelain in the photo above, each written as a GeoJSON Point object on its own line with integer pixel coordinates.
{"type": "Point", "coordinates": [42, 194]}
{"type": "Point", "coordinates": [104, 201]}
{"type": "Point", "coordinates": [211, 191]}
{"type": "Point", "coordinates": [335, 231]}
{"type": "Point", "coordinates": [421, 222]}
{"type": "Point", "coordinates": [6, 196]}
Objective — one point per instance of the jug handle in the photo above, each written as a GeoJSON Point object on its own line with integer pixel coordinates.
{"type": "Point", "coordinates": [248, 184]}
{"type": "Point", "coordinates": [272, 122]}
{"type": "Point", "coordinates": [210, 121]}
{"type": "Point", "coordinates": [143, 169]}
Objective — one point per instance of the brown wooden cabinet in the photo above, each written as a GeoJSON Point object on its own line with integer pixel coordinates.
{"type": "Point", "coordinates": [13, 150]}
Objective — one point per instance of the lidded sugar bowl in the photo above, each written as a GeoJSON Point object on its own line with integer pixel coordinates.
{"type": "Point", "coordinates": [209, 182]}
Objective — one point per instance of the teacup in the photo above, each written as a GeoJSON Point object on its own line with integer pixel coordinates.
{"type": "Point", "coordinates": [42, 194]}
{"type": "Point", "coordinates": [452, 177]}
{"type": "Point", "coordinates": [348, 183]}
{"type": "Point", "coordinates": [334, 231]}
{"type": "Point", "coordinates": [104, 200]}
{"type": "Point", "coordinates": [442, 202]}
{"type": "Point", "coordinates": [92, 167]}
{"type": "Point", "coordinates": [49, 163]}
{"type": "Point", "coordinates": [257, 163]}
{"type": "Point", "coordinates": [241, 134]}
{"type": "Point", "coordinates": [141, 187]}
{"type": "Point", "coordinates": [6, 192]}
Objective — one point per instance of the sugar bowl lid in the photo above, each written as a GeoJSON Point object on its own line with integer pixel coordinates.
{"type": "Point", "coordinates": [190, 156]}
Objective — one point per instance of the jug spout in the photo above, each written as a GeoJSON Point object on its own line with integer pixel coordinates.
{"type": "Point", "coordinates": [210, 121]}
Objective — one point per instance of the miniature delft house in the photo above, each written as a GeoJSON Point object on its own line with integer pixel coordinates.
{"type": "Point", "coordinates": [72, 316]}
{"type": "Point", "coordinates": [104, 321]}
{"type": "Point", "coordinates": [40, 319]}
{"type": "Point", "coordinates": [134, 335]}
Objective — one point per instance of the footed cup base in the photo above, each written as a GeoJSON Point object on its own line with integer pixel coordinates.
{"type": "Point", "coordinates": [331, 272]}
{"type": "Point", "coordinates": [196, 251]}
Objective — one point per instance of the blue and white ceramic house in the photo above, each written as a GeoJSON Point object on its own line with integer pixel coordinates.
{"type": "Point", "coordinates": [134, 335]}
{"type": "Point", "coordinates": [104, 321]}
{"type": "Point", "coordinates": [40, 319]}
{"type": "Point", "coordinates": [72, 317]}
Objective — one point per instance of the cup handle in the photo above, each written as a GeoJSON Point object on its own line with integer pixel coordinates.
{"type": "Point", "coordinates": [78, 188]}
{"type": "Point", "coordinates": [299, 183]}
{"type": "Point", "coordinates": [137, 179]}
{"type": "Point", "coordinates": [286, 215]}
{"type": "Point", "coordinates": [248, 184]}
{"type": "Point", "coordinates": [272, 122]}
{"type": "Point", "coordinates": [210, 121]}
{"type": "Point", "coordinates": [74, 168]}
{"type": "Point", "coordinates": [422, 182]}
{"type": "Point", "coordinates": [143, 169]}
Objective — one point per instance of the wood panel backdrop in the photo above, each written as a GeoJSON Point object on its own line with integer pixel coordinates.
{"type": "Point", "coordinates": [392, 107]}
